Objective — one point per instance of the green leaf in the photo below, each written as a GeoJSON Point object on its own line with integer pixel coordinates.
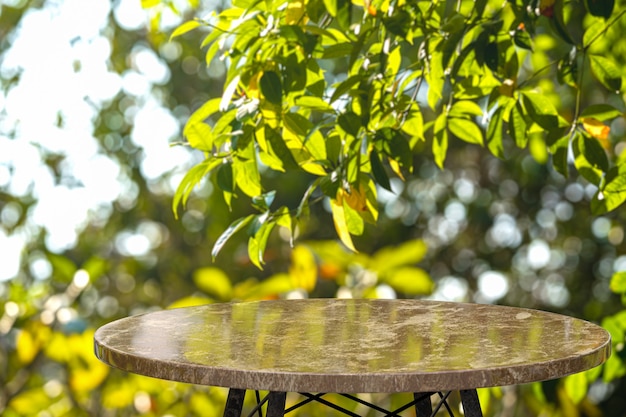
{"type": "Point", "coordinates": [314, 103]}
{"type": "Point", "coordinates": [465, 130]}
{"type": "Point", "coordinates": [258, 242]}
{"type": "Point", "coordinates": [210, 53]}
{"type": "Point", "coordinates": [606, 72]}
{"type": "Point", "coordinates": [353, 167]}
{"type": "Point", "coordinates": [354, 221]}
{"type": "Point", "coordinates": [393, 63]}
{"type": "Point", "coordinates": [440, 142]}
{"type": "Point", "coordinates": [613, 194]}
{"type": "Point", "coordinates": [199, 135]}
{"type": "Point", "coordinates": [614, 368]}
{"type": "Point", "coordinates": [95, 267]}
{"type": "Point", "coordinates": [338, 50]}
{"type": "Point", "coordinates": [454, 23]}
{"type": "Point", "coordinates": [214, 282]}
{"type": "Point", "coordinates": [190, 180]}
{"type": "Point", "coordinates": [408, 253]}
{"type": "Point", "coordinates": [246, 170]}
{"type": "Point", "coordinates": [225, 181]}
{"type": "Point", "coordinates": [399, 149]}
{"type": "Point", "coordinates": [600, 112]}
{"type": "Point", "coordinates": [600, 8]}
{"type": "Point", "coordinates": [567, 69]}
{"type": "Point", "coordinates": [398, 22]}
{"type": "Point", "coordinates": [522, 39]}
{"type": "Point", "coordinates": [271, 87]}
{"type": "Point", "coordinates": [450, 46]}
{"type": "Point", "coordinates": [618, 282]}
{"type": "Point", "coordinates": [537, 147]}
{"type": "Point", "coordinates": [465, 108]}
{"type": "Point", "coordinates": [284, 219]}
{"type": "Point", "coordinates": [234, 227]}
{"type": "Point", "coordinates": [585, 148]}
{"type": "Point", "coordinates": [333, 148]}
{"type": "Point", "coordinates": [414, 124]}
{"type": "Point", "coordinates": [409, 280]}
{"type": "Point", "coordinates": [517, 126]}
{"type": "Point", "coordinates": [205, 111]}
{"type": "Point", "coordinates": [264, 201]}
{"type": "Point", "coordinates": [557, 23]}
{"type": "Point", "coordinates": [593, 32]}
{"type": "Point", "coordinates": [576, 387]}
{"type": "Point", "coordinates": [184, 28]}
{"type": "Point", "coordinates": [541, 110]}
{"type": "Point", "coordinates": [494, 133]}
{"type": "Point", "coordinates": [560, 151]}
{"type": "Point", "coordinates": [594, 152]}
{"type": "Point", "coordinates": [345, 86]}
{"type": "Point", "coordinates": [309, 134]}
{"type": "Point", "coordinates": [350, 123]}
{"type": "Point", "coordinates": [63, 268]}
{"type": "Point", "coordinates": [491, 56]}
{"type": "Point", "coordinates": [331, 7]}
{"type": "Point", "coordinates": [479, 8]}
{"type": "Point", "coordinates": [344, 14]}
{"type": "Point", "coordinates": [378, 170]}
{"type": "Point", "coordinates": [435, 78]}
{"type": "Point", "coordinates": [280, 148]}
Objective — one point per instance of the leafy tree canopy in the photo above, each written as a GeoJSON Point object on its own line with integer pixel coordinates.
{"type": "Point", "coordinates": [346, 93]}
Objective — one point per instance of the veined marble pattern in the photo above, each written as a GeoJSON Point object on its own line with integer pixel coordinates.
{"type": "Point", "coordinates": [332, 345]}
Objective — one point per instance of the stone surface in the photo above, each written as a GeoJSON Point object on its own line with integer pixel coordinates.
{"type": "Point", "coordinates": [355, 346]}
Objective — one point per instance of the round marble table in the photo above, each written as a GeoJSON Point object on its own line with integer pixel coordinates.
{"type": "Point", "coordinates": [352, 346]}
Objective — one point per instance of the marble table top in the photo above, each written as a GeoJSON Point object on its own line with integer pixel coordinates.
{"type": "Point", "coordinates": [352, 346]}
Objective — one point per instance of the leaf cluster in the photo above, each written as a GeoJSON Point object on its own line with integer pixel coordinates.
{"type": "Point", "coordinates": [349, 91]}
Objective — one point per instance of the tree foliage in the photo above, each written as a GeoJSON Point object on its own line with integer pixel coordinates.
{"type": "Point", "coordinates": [348, 92]}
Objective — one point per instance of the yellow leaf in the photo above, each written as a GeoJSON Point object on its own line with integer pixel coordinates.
{"type": "Point", "coordinates": [339, 219]}
{"type": "Point", "coordinates": [86, 371]}
{"type": "Point", "coordinates": [295, 13]}
{"type": "Point", "coordinates": [410, 280]}
{"type": "Point", "coordinates": [29, 402]}
{"type": "Point", "coordinates": [253, 88]}
{"type": "Point", "coordinates": [56, 348]}
{"type": "Point", "coordinates": [27, 347]}
{"type": "Point", "coordinates": [146, 4]}
{"type": "Point", "coordinates": [303, 269]}
{"type": "Point", "coordinates": [313, 168]}
{"type": "Point", "coordinates": [395, 166]}
{"type": "Point", "coordinates": [190, 301]}
{"type": "Point", "coordinates": [271, 114]}
{"type": "Point", "coordinates": [30, 340]}
{"type": "Point", "coordinates": [214, 282]}
{"type": "Point", "coordinates": [118, 395]}
{"type": "Point", "coordinates": [598, 130]}
{"type": "Point", "coordinates": [356, 198]}
{"type": "Point", "coordinates": [88, 379]}
{"type": "Point", "coordinates": [576, 387]}
{"type": "Point", "coordinates": [184, 28]}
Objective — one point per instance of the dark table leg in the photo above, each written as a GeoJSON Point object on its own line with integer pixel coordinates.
{"type": "Point", "coordinates": [234, 403]}
{"type": "Point", "coordinates": [423, 406]}
{"type": "Point", "coordinates": [276, 404]}
{"type": "Point", "coordinates": [471, 405]}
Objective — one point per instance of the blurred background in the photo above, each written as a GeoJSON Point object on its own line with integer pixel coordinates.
{"type": "Point", "coordinates": [93, 98]}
